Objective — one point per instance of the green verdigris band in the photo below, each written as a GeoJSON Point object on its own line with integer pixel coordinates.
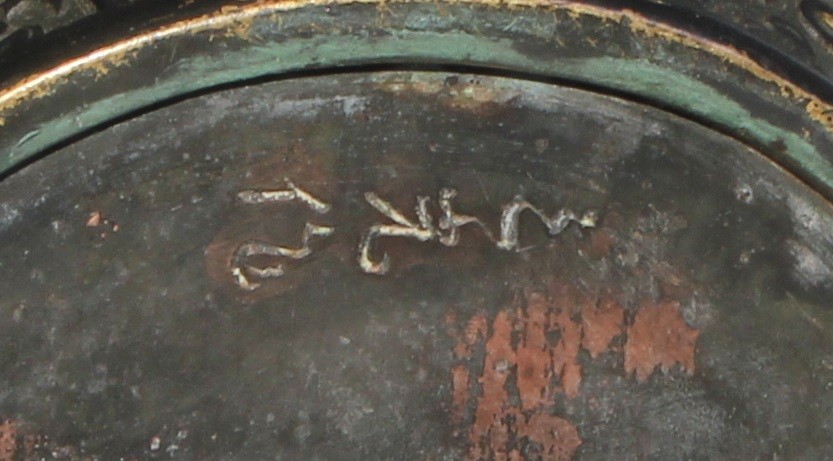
{"type": "Point", "coordinates": [562, 42]}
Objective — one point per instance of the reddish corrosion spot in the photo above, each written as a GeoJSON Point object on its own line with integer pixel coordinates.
{"type": "Point", "coordinates": [534, 368]}
{"type": "Point", "coordinates": [599, 244]}
{"type": "Point", "coordinates": [557, 439]}
{"type": "Point", "coordinates": [564, 354]}
{"type": "Point", "coordinates": [460, 387]}
{"type": "Point", "coordinates": [532, 356]}
{"type": "Point", "coordinates": [565, 362]}
{"type": "Point", "coordinates": [600, 324]}
{"type": "Point", "coordinates": [489, 426]}
{"type": "Point", "coordinates": [521, 356]}
{"type": "Point", "coordinates": [476, 328]}
{"type": "Point", "coordinates": [8, 440]}
{"type": "Point", "coordinates": [659, 336]}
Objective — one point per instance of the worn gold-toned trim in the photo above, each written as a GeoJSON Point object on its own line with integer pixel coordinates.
{"type": "Point", "coordinates": [237, 20]}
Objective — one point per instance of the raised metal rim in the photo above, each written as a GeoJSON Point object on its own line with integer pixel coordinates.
{"type": "Point", "coordinates": [39, 126]}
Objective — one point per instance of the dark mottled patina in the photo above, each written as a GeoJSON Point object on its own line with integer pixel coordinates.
{"type": "Point", "coordinates": [122, 321]}
{"type": "Point", "coordinates": [605, 236]}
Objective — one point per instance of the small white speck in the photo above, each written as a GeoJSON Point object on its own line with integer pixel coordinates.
{"type": "Point", "coordinates": [744, 193]}
{"type": "Point", "coordinates": [17, 315]}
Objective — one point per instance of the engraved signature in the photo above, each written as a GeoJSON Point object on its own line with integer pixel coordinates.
{"type": "Point", "coordinates": [241, 271]}
{"type": "Point", "coordinates": [445, 230]}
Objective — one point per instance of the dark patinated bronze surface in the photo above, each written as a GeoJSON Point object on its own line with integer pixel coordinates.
{"type": "Point", "coordinates": [415, 231]}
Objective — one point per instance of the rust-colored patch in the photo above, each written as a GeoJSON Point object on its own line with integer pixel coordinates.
{"type": "Point", "coordinates": [565, 301]}
{"type": "Point", "coordinates": [490, 433]}
{"type": "Point", "coordinates": [534, 367]}
{"type": "Point", "coordinates": [660, 337]}
{"type": "Point", "coordinates": [477, 327]}
{"type": "Point", "coordinates": [18, 444]}
{"type": "Point", "coordinates": [8, 440]}
{"type": "Point", "coordinates": [565, 362]}
{"type": "Point", "coordinates": [599, 244]}
{"type": "Point", "coordinates": [600, 324]}
{"type": "Point", "coordinates": [557, 439]}
{"type": "Point", "coordinates": [460, 388]}
{"type": "Point", "coordinates": [533, 358]}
